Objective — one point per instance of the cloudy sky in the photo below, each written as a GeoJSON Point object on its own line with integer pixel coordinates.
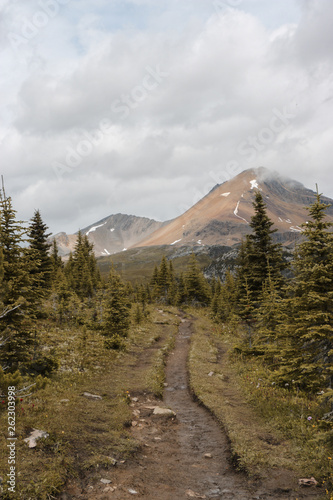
{"type": "Point", "coordinates": [142, 106]}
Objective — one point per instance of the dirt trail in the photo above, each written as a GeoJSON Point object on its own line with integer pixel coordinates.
{"type": "Point", "coordinates": [181, 457]}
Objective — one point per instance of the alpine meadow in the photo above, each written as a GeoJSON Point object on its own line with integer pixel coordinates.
{"type": "Point", "coordinates": [166, 250]}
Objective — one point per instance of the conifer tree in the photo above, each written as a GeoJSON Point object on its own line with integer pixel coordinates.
{"type": "Point", "coordinates": [258, 256]}
{"type": "Point", "coordinates": [38, 252]}
{"type": "Point", "coordinates": [154, 278]}
{"type": "Point", "coordinates": [56, 260]}
{"type": "Point", "coordinates": [196, 284]}
{"type": "Point", "coordinates": [81, 268]}
{"type": "Point", "coordinates": [116, 315]}
{"type": "Point", "coordinates": [162, 281]}
{"type": "Point", "coordinates": [270, 317]}
{"type": "Point", "coordinates": [307, 337]}
{"type": "Point", "coordinates": [16, 326]}
{"type": "Point", "coordinates": [181, 294]}
{"type": "Point", "coordinates": [226, 302]}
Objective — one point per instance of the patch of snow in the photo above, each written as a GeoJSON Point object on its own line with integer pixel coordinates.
{"type": "Point", "coordinates": [297, 229]}
{"type": "Point", "coordinates": [280, 219]}
{"type": "Point", "coordinates": [175, 242]}
{"type": "Point", "coordinates": [94, 228]}
{"type": "Point", "coordinates": [288, 221]}
{"type": "Point", "coordinates": [112, 230]}
{"type": "Point", "coordinates": [242, 195]}
{"type": "Point", "coordinates": [124, 249]}
{"type": "Point", "coordinates": [225, 194]}
{"type": "Point", "coordinates": [34, 436]}
{"type": "Point", "coordinates": [254, 184]}
{"type": "Point", "coordinates": [199, 241]}
{"type": "Point", "coordinates": [236, 212]}
{"type": "Point", "coordinates": [106, 252]}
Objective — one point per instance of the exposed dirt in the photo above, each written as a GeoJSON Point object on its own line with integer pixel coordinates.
{"type": "Point", "coordinates": [183, 456]}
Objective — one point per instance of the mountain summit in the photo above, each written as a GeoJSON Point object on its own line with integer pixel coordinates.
{"type": "Point", "coordinates": [222, 217]}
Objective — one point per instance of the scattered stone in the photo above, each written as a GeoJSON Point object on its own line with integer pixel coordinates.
{"type": "Point", "coordinates": [134, 423]}
{"type": "Point", "coordinates": [163, 412]}
{"type": "Point", "coordinates": [135, 400]}
{"type": "Point", "coordinates": [158, 439]}
{"type": "Point", "coordinates": [226, 492]}
{"type": "Point", "coordinates": [132, 492]}
{"type": "Point", "coordinates": [308, 482]}
{"type": "Point", "coordinates": [109, 489]}
{"type": "Point", "coordinates": [91, 396]}
{"type": "Point", "coordinates": [208, 455]}
{"type": "Point", "coordinates": [192, 494]}
{"type": "Point", "coordinates": [106, 481]}
{"type": "Point", "coordinates": [210, 374]}
{"type": "Point", "coordinates": [64, 400]}
{"type": "Point", "coordinates": [136, 413]}
{"type": "Point", "coordinates": [34, 436]}
{"type": "Point", "coordinates": [165, 384]}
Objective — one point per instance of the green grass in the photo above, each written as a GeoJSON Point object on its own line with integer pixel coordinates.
{"type": "Point", "coordinates": [84, 434]}
{"type": "Point", "coordinates": [268, 427]}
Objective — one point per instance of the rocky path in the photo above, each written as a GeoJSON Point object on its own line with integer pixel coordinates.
{"type": "Point", "coordinates": [183, 455]}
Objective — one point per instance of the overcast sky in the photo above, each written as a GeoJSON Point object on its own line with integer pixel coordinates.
{"type": "Point", "coordinates": [142, 106]}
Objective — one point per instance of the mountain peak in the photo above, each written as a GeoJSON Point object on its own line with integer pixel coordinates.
{"type": "Point", "coordinates": [222, 217]}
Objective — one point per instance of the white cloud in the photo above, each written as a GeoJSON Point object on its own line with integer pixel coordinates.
{"type": "Point", "coordinates": [146, 105]}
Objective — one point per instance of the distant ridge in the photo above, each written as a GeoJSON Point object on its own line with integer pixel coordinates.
{"type": "Point", "coordinates": [112, 234]}
{"type": "Point", "coordinates": [220, 218]}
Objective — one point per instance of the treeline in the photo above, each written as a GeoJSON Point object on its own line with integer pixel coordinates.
{"type": "Point", "coordinates": [285, 308]}
{"type": "Point", "coordinates": [37, 287]}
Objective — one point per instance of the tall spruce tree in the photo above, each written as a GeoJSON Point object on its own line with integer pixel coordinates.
{"type": "Point", "coordinates": [56, 260]}
{"type": "Point", "coordinates": [38, 251]}
{"type": "Point", "coordinates": [259, 256]}
{"type": "Point", "coordinates": [116, 312]}
{"type": "Point", "coordinates": [307, 335]}
{"type": "Point", "coordinates": [197, 288]}
{"type": "Point", "coordinates": [16, 326]}
{"type": "Point", "coordinates": [81, 268]}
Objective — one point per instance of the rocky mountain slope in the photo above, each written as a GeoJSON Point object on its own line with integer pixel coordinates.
{"type": "Point", "coordinates": [222, 217]}
{"type": "Point", "coordinates": [112, 234]}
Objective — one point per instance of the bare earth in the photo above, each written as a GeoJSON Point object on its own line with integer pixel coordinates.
{"type": "Point", "coordinates": [181, 457]}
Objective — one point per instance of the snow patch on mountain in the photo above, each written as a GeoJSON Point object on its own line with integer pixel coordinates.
{"type": "Point", "coordinates": [94, 228]}
{"type": "Point", "coordinates": [254, 184]}
{"type": "Point", "coordinates": [225, 194]}
{"type": "Point", "coordinates": [175, 242]}
{"type": "Point", "coordinates": [236, 212]}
